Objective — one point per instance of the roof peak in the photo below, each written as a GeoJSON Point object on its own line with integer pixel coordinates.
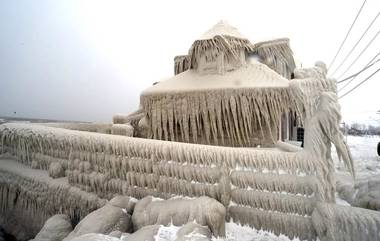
{"type": "Point", "coordinates": [222, 28]}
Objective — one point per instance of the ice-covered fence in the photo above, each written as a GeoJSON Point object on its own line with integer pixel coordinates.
{"type": "Point", "coordinates": [91, 127]}
{"type": "Point", "coordinates": [258, 182]}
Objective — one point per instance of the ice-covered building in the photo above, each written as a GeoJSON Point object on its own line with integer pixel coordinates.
{"type": "Point", "coordinates": [226, 91]}
{"type": "Point", "coordinates": [217, 128]}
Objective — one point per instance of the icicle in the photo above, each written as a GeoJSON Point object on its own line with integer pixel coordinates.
{"type": "Point", "coordinates": [338, 223]}
{"type": "Point", "coordinates": [274, 201]}
{"type": "Point", "coordinates": [276, 222]}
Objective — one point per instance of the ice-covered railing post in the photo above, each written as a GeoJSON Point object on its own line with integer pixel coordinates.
{"type": "Point", "coordinates": [317, 103]}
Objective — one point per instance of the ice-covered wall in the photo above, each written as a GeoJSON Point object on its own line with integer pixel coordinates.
{"type": "Point", "coordinates": [279, 185]}
{"type": "Point", "coordinates": [28, 197]}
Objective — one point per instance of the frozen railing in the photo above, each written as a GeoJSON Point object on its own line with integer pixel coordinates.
{"type": "Point", "coordinates": [279, 185]}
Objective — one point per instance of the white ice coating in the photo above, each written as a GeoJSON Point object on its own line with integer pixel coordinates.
{"type": "Point", "coordinates": [317, 98]}
{"type": "Point", "coordinates": [122, 129]}
{"type": "Point", "coordinates": [28, 197]}
{"type": "Point", "coordinates": [253, 75]}
{"type": "Point", "coordinates": [231, 109]}
{"type": "Point", "coordinates": [345, 223]}
{"type": "Point", "coordinates": [107, 164]}
{"type": "Point", "coordinates": [222, 28]}
{"type": "Point", "coordinates": [277, 55]}
{"type": "Point", "coordinates": [222, 99]}
{"type": "Point", "coordinates": [276, 222]}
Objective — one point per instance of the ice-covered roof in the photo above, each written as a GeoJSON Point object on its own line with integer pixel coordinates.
{"type": "Point", "coordinates": [253, 75]}
{"type": "Point", "coordinates": [272, 42]}
{"type": "Point", "coordinates": [276, 54]}
{"type": "Point", "coordinates": [222, 28]}
{"type": "Point", "coordinates": [221, 38]}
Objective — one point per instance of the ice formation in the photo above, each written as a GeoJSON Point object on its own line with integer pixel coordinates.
{"type": "Point", "coordinates": [110, 217]}
{"type": "Point", "coordinates": [181, 64]}
{"type": "Point", "coordinates": [193, 232]}
{"type": "Point", "coordinates": [132, 118]}
{"type": "Point", "coordinates": [215, 110]}
{"type": "Point", "coordinates": [55, 228]}
{"type": "Point", "coordinates": [29, 197]}
{"type": "Point", "coordinates": [147, 233]}
{"type": "Point", "coordinates": [277, 55]}
{"type": "Point", "coordinates": [218, 98]}
{"type": "Point", "coordinates": [179, 211]}
{"type": "Point", "coordinates": [261, 182]}
{"type": "Point", "coordinates": [122, 129]}
{"type": "Point", "coordinates": [56, 170]}
{"type": "Point", "coordinates": [341, 223]}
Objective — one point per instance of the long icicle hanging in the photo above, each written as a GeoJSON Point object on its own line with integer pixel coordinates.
{"type": "Point", "coordinates": [220, 120]}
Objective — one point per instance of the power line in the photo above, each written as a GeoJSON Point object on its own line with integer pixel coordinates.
{"type": "Point", "coordinates": [356, 44]}
{"type": "Point", "coordinates": [348, 33]}
{"type": "Point", "coordinates": [360, 84]}
{"type": "Point", "coordinates": [353, 62]}
{"type": "Point", "coordinates": [369, 65]}
{"type": "Point", "coordinates": [349, 82]}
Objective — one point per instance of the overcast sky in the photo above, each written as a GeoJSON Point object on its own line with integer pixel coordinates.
{"type": "Point", "coordinates": [86, 60]}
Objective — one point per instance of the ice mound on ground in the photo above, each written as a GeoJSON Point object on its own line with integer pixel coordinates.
{"type": "Point", "coordinates": [111, 217]}
{"type": "Point", "coordinates": [55, 228]}
{"type": "Point", "coordinates": [179, 211]}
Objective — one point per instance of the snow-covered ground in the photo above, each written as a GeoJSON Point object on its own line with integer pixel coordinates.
{"type": "Point", "coordinates": [364, 153]}
{"type": "Point", "coordinates": [234, 232]}
{"type": "Point", "coordinates": [366, 160]}
{"type": "Point", "coordinates": [364, 190]}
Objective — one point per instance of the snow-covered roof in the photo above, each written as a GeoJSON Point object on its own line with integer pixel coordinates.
{"type": "Point", "coordinates": [221, 38]}
{"type": "Point", "coordinates": [276, 54]}
{"type": "Point", "coordinates": [252, 75]}
{"type": "Point", "coordinates": [222, 28]}
{"type": "Point", "coordinates": [272, 42]}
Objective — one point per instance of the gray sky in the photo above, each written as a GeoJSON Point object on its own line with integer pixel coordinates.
{"type": "Point", "coordinates": [86, 60]}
